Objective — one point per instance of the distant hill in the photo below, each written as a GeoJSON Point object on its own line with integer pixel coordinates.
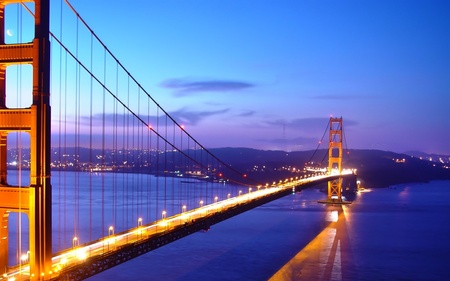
{"type": "Point", "coordinates": [375, 168]}
{"type": "Point", "coordinates": [428, 156]}
{"type": "Point", "coordinates": [382, 168]}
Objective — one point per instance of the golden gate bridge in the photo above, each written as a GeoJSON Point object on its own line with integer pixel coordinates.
{"type": "Point", "coordinates": [79, 217]}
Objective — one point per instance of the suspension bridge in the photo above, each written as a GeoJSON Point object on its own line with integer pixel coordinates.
{"type": "Point", "coordinates": [102, 173]}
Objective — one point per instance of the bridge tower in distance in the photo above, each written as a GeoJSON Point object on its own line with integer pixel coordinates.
{"type": "Point", "coordinates": [34, 200]}
{"type": "Point", "coordinates": [334, 195]}
{"type": "Point", "coordinates": [335, 159]}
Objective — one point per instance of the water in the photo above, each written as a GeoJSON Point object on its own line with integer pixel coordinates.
{"type": "Point", "coordinates": [402, 233]}
{"type": "Point", "coordinates": [399, 233]}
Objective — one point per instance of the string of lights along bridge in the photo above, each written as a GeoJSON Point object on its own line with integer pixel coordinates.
{"type": "Point", "coordinates": [100, 172]}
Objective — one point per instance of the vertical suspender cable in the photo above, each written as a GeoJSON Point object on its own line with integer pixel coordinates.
{"type": "Point", "coordinates": [91, 158]}
{"type": "Point", "coordinates": [60, 200]}
{"type": "Point", "coordinates": [133, 171]}
{"type": "Point", "coordinates": [345, 143]}
{"type": "Point", "coordinates": [149, 163]}
{"type": "Point", "coordinates": [194, 166]}
{"type": "Point", "coordinates": [172, 168]}
{"type": "Point", "coordinates": [176, 167]}
{"type": "Point", "coordinates": [128, 155]}
{"type": "Point", "coordinates": [65, 150]}
{"type": "Point", "coordinates": [124, 163]}
{"type": "Point", "coordinates": [165, 165]}
{"type": "Point", "coordinates": [180, 184]}
{"type": "Point", "coordinates": [115, 150]}
{"type": "Point", "coordinates": [157, 164]}
{"type": "Point", "coordinates": [103, 226]}
{"type": "Point", "coordinates": [76, 138]}
{"type": "Point", "coordinates": [188, 168]}
{"type": "Point", "coordinates": [139, 161]}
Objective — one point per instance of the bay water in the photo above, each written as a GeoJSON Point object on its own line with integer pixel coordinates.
{"type": "Point", "coordinates": [396, 233]}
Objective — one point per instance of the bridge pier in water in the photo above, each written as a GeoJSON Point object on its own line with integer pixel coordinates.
{"type": "Point", "coordinates": [35, 200]}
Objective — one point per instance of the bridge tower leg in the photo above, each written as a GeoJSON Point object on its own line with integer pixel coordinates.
{"type": "Point", "coordinates": [34, 200]}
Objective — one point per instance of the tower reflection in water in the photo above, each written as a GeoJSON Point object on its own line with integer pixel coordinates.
{"type": "Point", "coordinates": [327, 257]}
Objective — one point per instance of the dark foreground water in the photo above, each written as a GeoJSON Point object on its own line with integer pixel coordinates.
{"type": "Point", "coordinates": [398, 233]}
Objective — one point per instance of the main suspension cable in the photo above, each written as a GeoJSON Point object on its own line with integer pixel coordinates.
{"type": "Point", "coordinates": [150, 97]}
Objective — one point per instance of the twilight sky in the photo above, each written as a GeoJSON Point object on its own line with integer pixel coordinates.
{"type": "Point", "coordinates": [268, 74]}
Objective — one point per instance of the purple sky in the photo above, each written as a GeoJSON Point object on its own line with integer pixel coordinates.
{"type": "Point", "coordinates": [268, 74]}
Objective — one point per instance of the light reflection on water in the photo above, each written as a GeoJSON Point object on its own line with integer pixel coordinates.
{"type": "Point", "coordinates": [321, 258]}
{"type": "Point", "coordinates": [332, 216]}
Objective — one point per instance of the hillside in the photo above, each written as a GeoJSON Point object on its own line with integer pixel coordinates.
{"type": "Point", "coordinates": [375, 168]}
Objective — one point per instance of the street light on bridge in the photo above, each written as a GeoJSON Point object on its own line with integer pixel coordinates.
{"type": "Point", "coordinates": [139, 226]}
{"type": "Point", "coordinates": [25, 257]}
{"type": "Point", "coordinates": [112, 240]}
{"type": "Point", "coordinates": [74, 242]}
{"type": "Point", "coordinates": [163, 214]}
{"type": "Point", "coordinates": [201, 203]}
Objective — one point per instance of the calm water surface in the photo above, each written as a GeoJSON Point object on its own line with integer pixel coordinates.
{"type": "Point", "coordinates": [398, 233]}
